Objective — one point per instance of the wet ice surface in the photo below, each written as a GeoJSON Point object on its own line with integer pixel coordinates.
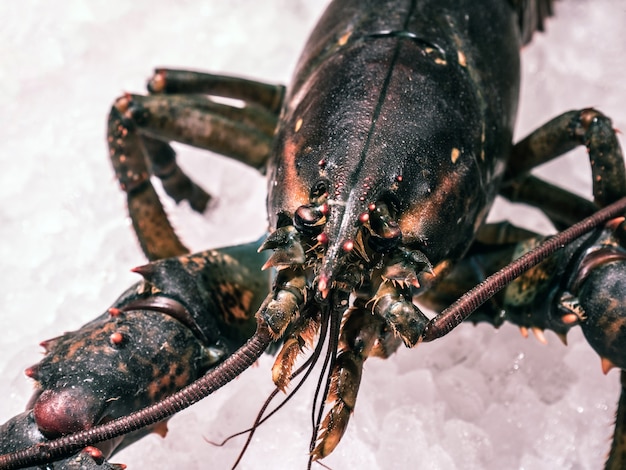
{"type": "Point", "coordinates": [475, 399]}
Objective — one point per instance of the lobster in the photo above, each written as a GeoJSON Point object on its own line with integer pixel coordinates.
{"type": "Point", "coordinates": [368, 365]}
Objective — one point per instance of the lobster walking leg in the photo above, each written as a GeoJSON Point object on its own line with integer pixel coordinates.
{"type": "Point", "coordinates": [140, 127]}
{"type": "Point", "coordinates": [586, 127]}
{"type": "Point", "coordinates": [172, 81]}
{"type": "Point", "coordinates": [562, 207]}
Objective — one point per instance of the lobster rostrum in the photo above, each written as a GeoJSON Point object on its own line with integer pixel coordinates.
{"type": "Point", "coordinates": [392, 143]}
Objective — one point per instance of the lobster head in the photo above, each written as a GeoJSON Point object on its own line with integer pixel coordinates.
{"type": "Point", "coordinates": [362, 190]}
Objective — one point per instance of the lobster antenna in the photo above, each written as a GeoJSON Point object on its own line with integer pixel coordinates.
{"type": "Point", "coordinates": [231, 368]}
{"type": "Point", "coordinates": [474, 298]}
{"type": "Point", "coordinates": [308, 366]}
{"type": "Point", "coordinates": [260, 419]}
{"type": "Point", "coordinates": [331, 357]}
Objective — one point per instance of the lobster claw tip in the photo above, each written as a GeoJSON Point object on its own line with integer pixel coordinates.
{"type": "Point", "coordinates": [538, 332]}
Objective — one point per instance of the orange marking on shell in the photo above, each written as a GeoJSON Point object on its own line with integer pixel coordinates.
{"type": "Point", "coordinates": [461, 58]}
{"type": "Point", "coordinates": [116, 338]}
{"type": "Point", "coordinates": [114, 312]}
{"type": "Point", "coordinates": [454, 155]}
{"type": "Point", "coordinates": [569, 318]}
{"type": "Point", "coordinates": [235, 301]}
{"type": "Point", "coordinates": [296, 193]}
{"type": "Point", "coordinates": [344, 39]}
{"type": "Point", "coordinates": [94, 453]}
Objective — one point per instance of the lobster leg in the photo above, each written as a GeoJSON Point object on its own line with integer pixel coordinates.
{"type": "Point", "coordinates": [172, 81]}
{"type": "Point", "coordinates": [493, 249]}
{"type": "Point", "coordinates": [586, 127]}
{"type": "Point", "coordinates": [562, 207]}
{"type": "Point", "coordinates": [141, 127]}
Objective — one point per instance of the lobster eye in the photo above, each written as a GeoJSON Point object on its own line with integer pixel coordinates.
{"type": "Point", "coordinates": [309, 219]}
{"type": "Point", "coordinates": [385, 233]}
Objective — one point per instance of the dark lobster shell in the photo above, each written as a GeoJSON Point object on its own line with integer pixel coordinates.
{"type": "Point", "coordinates": [252, 42]}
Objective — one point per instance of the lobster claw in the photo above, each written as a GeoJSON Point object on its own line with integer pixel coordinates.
{"type": "Point", "coordinates": [22, 430]}
{"type": "Point", "coordinates": [602, 296]}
